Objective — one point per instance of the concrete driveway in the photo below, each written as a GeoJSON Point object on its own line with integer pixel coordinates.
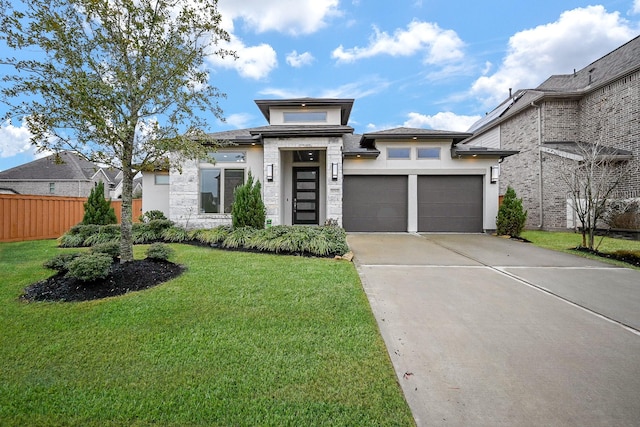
{"type": "Point", "coordinates": [486, 331]}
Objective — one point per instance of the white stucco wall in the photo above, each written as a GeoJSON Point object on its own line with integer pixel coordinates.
{"type": "Point", "coordinates": [276, 115]}
{"type": "Point", "coordinates": [154, 196]}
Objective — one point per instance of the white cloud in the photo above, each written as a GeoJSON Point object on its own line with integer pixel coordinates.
{"type": "Point", "coordinates": [14, 139]}
{"type": "Point", "coordinates": [298, 60]}
{"type": "Point", "coordinates": [441, 121]}
{"type": "Point", "coordinates": [283, 93]}
{"type": "Point", "coordinates": [437, 45]}
{"type": "Point", "coordinates": [253, 62]}
{"type": "Point", "coordinates": [286, 16]}
{"type": "Point", "coordinates": [239, 120]}
{"type": "Point", "coordinates": [636, 7]}
{"type": "Point", "coordinates": [577, 38]}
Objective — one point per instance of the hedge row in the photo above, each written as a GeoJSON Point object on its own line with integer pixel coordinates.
{"type": "Point", "coordinates": [323, 241]}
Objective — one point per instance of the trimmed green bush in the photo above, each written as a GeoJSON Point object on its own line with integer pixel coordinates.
{"type": "Point", "coordinates": [111, 248]}
{"type": "Point", "coordinates": [238, 237]}
{"type": "Point", "coordinates": [97, 209]}
{"type": "Point", "coordinates": [511, 215]}
{"type": "Point", "coordinates": [151, 231]}
{"type": "Point", "coordinates": [151, 215]}
{"type": "Point", "coordinates": [211, 236]}
{"type": "Point", "coordinates": [59, 262]}
{"type": "Point", "coordinates": [159, 252]}
{"type": "Point", "coordinates": [90, 267]}
{"type": "Point", "coordinates": [248, 208]}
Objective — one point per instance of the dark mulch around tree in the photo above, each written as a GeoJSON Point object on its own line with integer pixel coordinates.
{"type": "Point", "coordinates": [624, 256]}
{"type": "Point", "coordinates": [128, 277]}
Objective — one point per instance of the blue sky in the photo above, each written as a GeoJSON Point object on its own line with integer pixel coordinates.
{"type": "Point", "coordinates": [430, 64]}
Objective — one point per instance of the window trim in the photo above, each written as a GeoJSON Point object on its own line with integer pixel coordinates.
{"type": "Point", "coordinates": [390, 157]}
{"type": "Point", "coordinates": [290, 116]}
{"type": "Point", "coordinates": [439, 150]}
{"type": "Point", "coordinates": [221, 194]}
{"type": "Point", "coordinates": [213, 154]}
{"type": "Point", "coordinates": [155, 179]}
{"type": "Point", "coordinates": [52, 188]}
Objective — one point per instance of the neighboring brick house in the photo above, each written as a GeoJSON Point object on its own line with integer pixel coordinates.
{"type": "Point", "coordinates": [313, 168]}
{"type": "Point", "coordinates": [63, 174]}
{"type": "Point", "coordinates": [600, 102]}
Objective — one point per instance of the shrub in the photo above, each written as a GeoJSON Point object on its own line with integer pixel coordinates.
{"type": "Point", "coordinates": [238, 237]}
{"type": "Point", "coordinates": [90, 267]}
{"type": "Point", "coordinates": [59, 262]}
{"type": "Point", "coordinates": [159, 252]}
{"type": "Point", "coordinates": [248, 209]}
{"type": "Point", "coordinates": [623, 214]}
{"type": "Point", "coordinates": [175, 234]}
{"type": "Point", "coordinates": [111, 248]}
{"type": "Point", "coordinates": [71, 240]}
{"type": "Point", "coordinates": [97, 209]}
{"type": "Point", "coordinates": [511, 216]}
{"type": "Point", "coordinates": [337, 238]}
{"type": "Point", "coordinates": [211, 236]}
{"type": "Point", "coordinates": [150, 231]}
{"type": "Point", "coordinates": [151, 215]}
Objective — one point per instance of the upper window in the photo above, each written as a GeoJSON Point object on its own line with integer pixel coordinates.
{"type": "Point", "coordinates": [429, 153]}
{"type": "Point", "coordinates": [305, 116]}
{"type": "Point", "coordinates": [217, 187]}
{"type": "Point", "coordinates": [52, 188]}
{"type": "Point", "coordinates": [161, 179]}
{"type": "Point", "coordinates": [228, 156]}
{"type": "Point", "coordinates": [399, 153]}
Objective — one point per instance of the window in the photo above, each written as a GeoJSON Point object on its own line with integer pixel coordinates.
{"type": "Point", "coordinates": [399, 153]}
{"type": "Point", "coordinates": [228, 157]}
{"type": "Point", "coordinates": [52, 188]}
{"type": "Point", "coordinates": [216, 189]}
{"type": "Point", "coordinates": [429, 153]}
{"type": "Point", "coordinates": [305, 116]}
{"type": "Point", "coordinates": [161, 179]}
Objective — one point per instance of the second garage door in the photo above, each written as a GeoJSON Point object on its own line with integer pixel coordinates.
{"type": "Point", "coordinates": [374, 203]}
{"type": "Point", "coordinates": [450, 203]}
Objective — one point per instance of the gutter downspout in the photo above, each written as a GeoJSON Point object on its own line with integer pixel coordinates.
{"type": "Point", "coordinates": [541, 204]}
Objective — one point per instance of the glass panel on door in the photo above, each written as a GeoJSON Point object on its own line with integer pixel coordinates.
{"type": "Point", "coordinates": [305, 195]}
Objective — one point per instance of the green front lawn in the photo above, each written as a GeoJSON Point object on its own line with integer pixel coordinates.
{"type": "Point", "coordinates": [566, 241]}
{"type": "Point", "coordinates": [239, 339]}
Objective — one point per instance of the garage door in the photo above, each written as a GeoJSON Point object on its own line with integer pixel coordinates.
{"type": "Point", "coordinates": [374, 203]}
{"type": "Point", "coordinates": [450, 203]}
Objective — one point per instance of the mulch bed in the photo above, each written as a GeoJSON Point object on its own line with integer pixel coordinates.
{"type": "Point", "coordinates": [627, 257]}
{"type": "Point", "coordinates": [128, 277]}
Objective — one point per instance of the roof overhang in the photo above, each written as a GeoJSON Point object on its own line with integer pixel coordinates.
{"type": "Point", "coordinates": [471, 152]}
{"type": "Point", "coordinates": [284, 131]}
{"type": "Point", "coordinates": [573, 151]}
{"type": "Point", "coordinates": [414, 135]}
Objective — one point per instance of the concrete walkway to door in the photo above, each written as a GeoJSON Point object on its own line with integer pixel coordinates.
{"type": "Point", "coordinates": [485, 331]}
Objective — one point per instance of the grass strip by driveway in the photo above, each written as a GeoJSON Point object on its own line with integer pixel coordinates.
{"type": "Point", "coordinates": [240, 339]}
{"type": "Point", "coordinates": [566, 241]}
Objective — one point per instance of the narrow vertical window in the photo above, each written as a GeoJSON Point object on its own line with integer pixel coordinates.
{"type": "Point", "coordinates": [52, 188]}
{"type": "Point", "coordinates": [210, 190]}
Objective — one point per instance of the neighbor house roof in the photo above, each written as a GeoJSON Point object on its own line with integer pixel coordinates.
{"type": "Point", "coordinates": [345, 105]}
{"type": "Point", "coordinates": [614, 65]}
{"type": "Point", "coordinates": [56, 167]}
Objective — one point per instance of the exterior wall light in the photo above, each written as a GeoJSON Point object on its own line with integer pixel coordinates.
{"type": "Point", "coordinates": [269, 171]}
{"type": "Point", "coordinates": [495, 173]}
{"type": "Point", "coordinates": [334, 171]}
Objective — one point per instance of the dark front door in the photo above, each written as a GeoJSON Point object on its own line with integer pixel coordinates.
{"type": "Point", "coordinates": [305, 195]}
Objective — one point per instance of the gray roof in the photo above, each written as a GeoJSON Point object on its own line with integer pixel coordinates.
{"type": "Point", "coordinates": [612, 66]}
{"type": "Point", "coordinates": [353, 148]}
{"type": "Point", "coordinates": [404, 133]}
{"type": "Point", "coordinates": [580, 148]}
{"type": "Point", "coordinates": [56, 167]}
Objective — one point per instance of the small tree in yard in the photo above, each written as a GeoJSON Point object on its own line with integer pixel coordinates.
{"type": "Point", "coordinates": [97, 209]}
{"type": "Point", "coordinates": [120, 82]}
{"type": "Point", "coordinates": [511, 215]}
{"type": "Point", "coordinates": [248, 208]}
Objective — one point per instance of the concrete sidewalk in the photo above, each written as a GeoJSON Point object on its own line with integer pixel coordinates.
{"type": "Point", "coordinates": [475, 340]}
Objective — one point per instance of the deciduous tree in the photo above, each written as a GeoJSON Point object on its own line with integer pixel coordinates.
{"type": "Point", "coordinates": [121, 82]}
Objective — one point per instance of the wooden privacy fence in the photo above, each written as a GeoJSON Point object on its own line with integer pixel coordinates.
{"type": "Point", "coordinates": [30, 217]}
